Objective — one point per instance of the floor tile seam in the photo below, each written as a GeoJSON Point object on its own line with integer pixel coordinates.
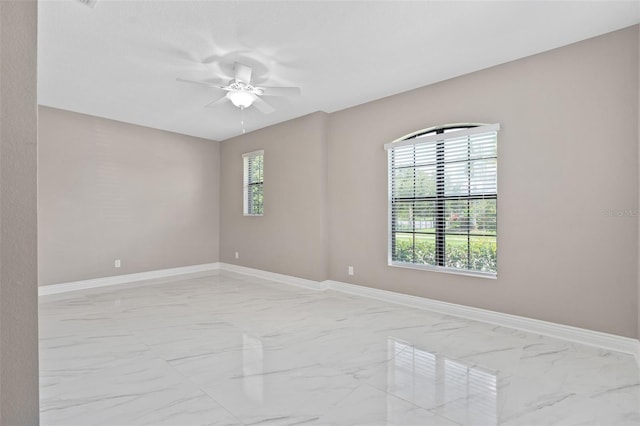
{"type": "Point", "coordinates": [336, 404]}
{"type": "Point", "coordinates": [407, 348]}
{"type": "Point", "coordinates": [94, 306]}
{"type": "Point", "coordinates": [441, 416]}
{"type": "Point", "coordinates": [562, 399]}
{"type": "Point", "coordinates": [244, 330]}
{"type": "Point", "coordinates": [466, 360]}
{"type": "Point", "coordinates": [517, 372]}
{"type": "Point", "coordinates": [187, 380]}
{"type": "Point", "coordinates": [561, 391]}
{"type": "Point", "coordinates": [502, 404]}
{"type": "Point", "coordinates": [597, 393]}
{"type": "Point", "coordinates": [102, 369]}
{"type": "Point", "coordinates": [134, 335]}
{"type": "Point", "coordinates": [461, 359]}
{"type": "Point", "coordinates": [429, 410]}
{"type": "Point", "coordinates": [237, 417]}
{"type": "Point", "coordinates": [99, 365]}
{"type": "Point", "coordinates": [363, 385]}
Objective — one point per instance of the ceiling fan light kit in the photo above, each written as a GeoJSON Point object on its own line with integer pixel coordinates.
{"type": "Point", "coordinates": [241, 98]}
{"type": "Point", "coordinates": [243, 94]}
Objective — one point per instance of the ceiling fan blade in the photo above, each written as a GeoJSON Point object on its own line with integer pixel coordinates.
{"type": "Point", "coordinates": [262, 106]}
{"type": "Point", "coordinates": [218, 101]}
{"type": "Point", "coordinates": [220, 85]}
{"type": "Point", "coordinates": [243, 72]}
{"type": "Point", "coordinates": [280, 91]}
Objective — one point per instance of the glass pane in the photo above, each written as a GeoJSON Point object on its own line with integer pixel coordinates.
{"type": "Point", "coordinates": [403, 156]}
{"type": "Point", "coordinates": [412, 182]}
{"type": "Point", "coordinates": [456, 149]}
{"type": "Point", "coordinates": [415, 248]}
{"type": "Point", "coordinates": [483, 254]}
{"type": "Point", "coordinates": [402, 216]}
{"type": "Point", "coordinates": [483, 146]}
{"type": "Point", "coordinates": [483, 176]}
{"type": "Point", "coordinates": [424, 216]}
{"type": "Point", "coordinates": [425, 181]}
{"type": "Point", "coordinates": [256, 169]}
{"type": "Point", "coordinates": [456, 251]}
{"type": "Point", "coordinates": [419, 155]}
{"type": "Point", "coordinates": [482, 216]}
{"type": "Point", "coordinates": [425, 249]}
{"type": "Point", "coordinates": [425, 154]}
{"type": "Point", "coordinates": [456, 179]}
{"type": "Point", "coordinates": [404, 182]}
{"type": "Point", "coordinates": [403, 250]}
{"type": "Point", "coordinates": [255, 199]}
{"type": "Point", "coordinates": [456, 213]}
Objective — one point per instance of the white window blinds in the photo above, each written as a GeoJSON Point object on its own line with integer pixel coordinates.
{"type": "Point", "coordinates": [253, 183]}
{"type": "Point", "coordinates": [443, 192]}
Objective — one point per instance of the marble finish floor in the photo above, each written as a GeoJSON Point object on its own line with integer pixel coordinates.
{"type": "Point", "coordinates": [230, 349]}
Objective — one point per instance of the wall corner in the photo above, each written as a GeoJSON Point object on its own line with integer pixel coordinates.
{"type": "Point", "coordinates": [19, 388]}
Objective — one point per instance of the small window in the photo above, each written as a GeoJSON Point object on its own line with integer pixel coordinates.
{"type": "Point", "coordinates": [253, 192]}
{"type": "Point", "coordinates": [443, 194]}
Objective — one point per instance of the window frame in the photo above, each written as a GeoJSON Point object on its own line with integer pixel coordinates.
{"type": "Point", "coordinates": [247, 184]}
{"type": "Point", "coordinates": [440, 200]}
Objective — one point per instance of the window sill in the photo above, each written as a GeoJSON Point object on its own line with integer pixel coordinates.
{"type": "Point", "coordinates": [477, 274]}
{"type": "Point", "coordinates": [253, 215]}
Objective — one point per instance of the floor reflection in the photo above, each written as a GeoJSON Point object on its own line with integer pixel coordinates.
{"type": "Point", "coordinates": [252, 368]}
{"type": "Point", "coordinates": [446, 386]}
{"type": "Point", "coordinates": [230, 350]}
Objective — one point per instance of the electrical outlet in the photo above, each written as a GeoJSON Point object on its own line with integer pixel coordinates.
{"type": "Point", "coordinates": [117, 263]}
{"type": "Point", "coordinates": [237, 255]}
{"type": "Point", "coordinates": [350, 270]}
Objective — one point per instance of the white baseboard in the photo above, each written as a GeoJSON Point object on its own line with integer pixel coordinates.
{"type": "Point", "coordinates": [272, 276]}
{"type": "Point", "coordinates": [121, 279]}
{"type": "Point", "coordinates": [559, 331]}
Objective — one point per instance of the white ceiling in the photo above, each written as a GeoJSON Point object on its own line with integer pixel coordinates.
{"type": "Point", "coordinates": [120, 59]}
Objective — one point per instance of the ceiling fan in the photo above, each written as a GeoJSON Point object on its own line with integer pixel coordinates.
{"type": "Point", "coordinates": [242, 93]}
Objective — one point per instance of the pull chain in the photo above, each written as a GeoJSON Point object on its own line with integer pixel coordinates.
{"type": "Point", "coordinates": [242, 119]}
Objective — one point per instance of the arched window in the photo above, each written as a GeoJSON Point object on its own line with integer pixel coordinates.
{"type": "Point", "coordinates": [443, 194]}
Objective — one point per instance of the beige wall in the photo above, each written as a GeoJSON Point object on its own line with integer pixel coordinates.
{"type": "Point", "coordinates": [18, 211]}
{"type": "Point", "coordinates": [110, 190]}
{"type": "Point", "coordinates": [568, 151]}
{"type": "Point", "coordinates": [291, 237]}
